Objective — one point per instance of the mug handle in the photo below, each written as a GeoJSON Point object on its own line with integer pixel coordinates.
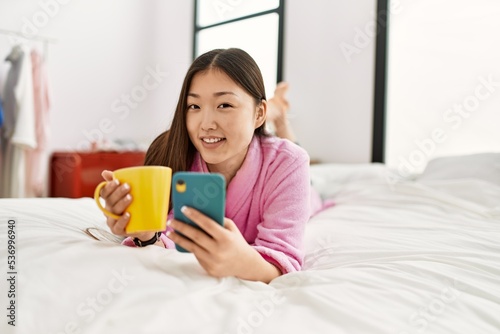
{"type": "Point", "coordinates": [98, 202]}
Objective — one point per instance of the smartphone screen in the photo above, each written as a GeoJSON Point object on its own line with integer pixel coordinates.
{"type": "Point", "coordinates": [205, 192]}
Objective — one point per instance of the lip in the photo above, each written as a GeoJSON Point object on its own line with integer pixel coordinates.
{"type": "Point", "coordinates": [212, 145]}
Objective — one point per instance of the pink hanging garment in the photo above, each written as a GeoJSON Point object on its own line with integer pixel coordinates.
{"type": "Point", "coordinates": [37, 159]}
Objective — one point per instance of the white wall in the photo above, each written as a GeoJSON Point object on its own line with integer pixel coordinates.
{"type": "Point", "coordinates": [103, 51]}
{"type": "Point", "coordinates": [331, 90]}
{"type": "Point", "coordinates": [104, 48]}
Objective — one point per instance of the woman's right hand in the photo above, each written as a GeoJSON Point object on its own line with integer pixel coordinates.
{"type": "Point", "coordinates": [117, 197]}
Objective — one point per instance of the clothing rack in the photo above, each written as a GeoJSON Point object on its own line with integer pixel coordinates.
{"type": "Point", "coordinates": [45, 40]}
{"type": "Point", "coordinates": [35, 37]}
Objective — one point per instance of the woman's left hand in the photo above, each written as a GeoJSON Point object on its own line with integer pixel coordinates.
{"type": "Point", "coordinates": [221, 251]}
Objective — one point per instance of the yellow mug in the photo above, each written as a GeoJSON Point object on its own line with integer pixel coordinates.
{"type": "Point", "coordinates": [150, 191]}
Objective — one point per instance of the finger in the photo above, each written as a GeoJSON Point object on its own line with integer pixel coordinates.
{"type": "Point", "coordinates": [230, 225]}
{"type": "Point", "coordinates": [118, 195]}
{"type": "Point", "coordinates": [185, 243]}
{"type": "Point", "coordinates": [196, 235]}
{"type": "Point", "coordinates": [118, 226]}
{"type": "Point", "coordinates": [107, 175]}
{"type": "Point", "coordinates": [121, 205]}
{"type": "Point", "coordinates": [205, 223]}
{"type": "Point", "coordinates": [109, 188]}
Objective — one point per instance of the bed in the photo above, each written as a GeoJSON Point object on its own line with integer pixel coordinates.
{"type": "Point", "coordinates": [395, 254]}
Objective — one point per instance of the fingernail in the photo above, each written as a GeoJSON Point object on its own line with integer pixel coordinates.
{"type": "Point", "coordinates": [169, 222]}
{"type": "Point", "coordinates": [168, 233]}
{"type": "Point", "coordinates": [126, 215]}
{"type": "Point", "coordinates": [128, 197]}
{"type": "Point", "coordinates": [115, 181]}
{"type": "Point", "coordinates": [126, 186]}
{"type": "Point", "coordinates": [184, 209]}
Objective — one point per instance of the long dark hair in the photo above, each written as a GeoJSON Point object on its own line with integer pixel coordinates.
{"type": "Point", "coordinates": [173, 148]}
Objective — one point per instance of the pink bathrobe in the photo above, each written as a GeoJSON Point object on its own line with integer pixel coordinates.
{"type": "Point", "coordinates": [269, 199]}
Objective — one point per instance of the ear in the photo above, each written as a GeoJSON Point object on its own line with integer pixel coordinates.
{"type": "Point", "coordinates": [260, 113]}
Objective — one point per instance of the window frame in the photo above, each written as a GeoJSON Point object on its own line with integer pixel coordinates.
{"type": "Point", "coordinates": [380, 87]}
{"type": "Point", "coordinates": [280, 10]}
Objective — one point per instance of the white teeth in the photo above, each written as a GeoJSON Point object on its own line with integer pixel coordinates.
{"type": "Point", "coordinates": [211, 140]}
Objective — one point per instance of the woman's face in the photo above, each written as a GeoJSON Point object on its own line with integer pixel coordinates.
{"type": "Point", "coordinates": [221, 119]}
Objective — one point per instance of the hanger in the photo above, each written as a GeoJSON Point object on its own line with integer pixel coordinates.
{"type": "Point", "coordinates": [15, 53]}
{"type": "Point", "coordinates": [20, 38]}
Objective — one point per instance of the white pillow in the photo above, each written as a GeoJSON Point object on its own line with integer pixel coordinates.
{"type": "Point", "coordinates": [329, 178]}
{"type": "Point", "coordinates": [483, 166]}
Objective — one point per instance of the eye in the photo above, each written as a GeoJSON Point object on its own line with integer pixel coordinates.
{"type": "Point", "coordinates": [193, 107]}
{"type": "Point", "coordinates": [224, 105]}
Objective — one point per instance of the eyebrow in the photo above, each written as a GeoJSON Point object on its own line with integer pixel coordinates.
{"type": "Point", "coordinates": [217, 94]}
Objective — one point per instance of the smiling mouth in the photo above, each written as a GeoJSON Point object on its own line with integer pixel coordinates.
{"type": "Point", "coordinates": [212, 140]}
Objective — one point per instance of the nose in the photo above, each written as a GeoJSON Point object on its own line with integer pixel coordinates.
{"type": "Point", "coordinates": [208, 121]}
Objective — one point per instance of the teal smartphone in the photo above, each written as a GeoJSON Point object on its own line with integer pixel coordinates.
{"type": "Point", "coordinates": [205, 192]}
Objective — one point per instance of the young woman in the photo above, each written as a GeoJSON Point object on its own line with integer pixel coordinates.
{"type": "Point", "coordinates": [219, 127]}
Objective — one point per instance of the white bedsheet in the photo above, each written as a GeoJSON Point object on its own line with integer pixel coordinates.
{"type": "Point", "coordinates": [390, 257]}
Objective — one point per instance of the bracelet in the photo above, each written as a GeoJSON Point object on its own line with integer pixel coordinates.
{"type": "Point", "coordinates": [139, 243]}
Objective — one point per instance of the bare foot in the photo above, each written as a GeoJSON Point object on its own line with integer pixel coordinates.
{"type": "Point", "coordinates": [277, 112]}
{"type": "Point", "coordinates": [278, 105]}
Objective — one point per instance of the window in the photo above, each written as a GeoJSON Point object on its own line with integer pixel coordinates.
{"type": "Point", "coordinates": [443, 96]}
{"type": "Point", "coordinates": [255, 26]}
